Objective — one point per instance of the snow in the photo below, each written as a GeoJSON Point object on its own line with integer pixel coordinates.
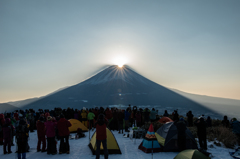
{"type": "Point", "coordinates": [129, 148]}
{"type": "Point", "coordinates": [114, 73]}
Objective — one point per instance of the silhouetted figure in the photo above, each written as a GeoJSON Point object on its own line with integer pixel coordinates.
{"type": "Point", "coordinates": [225, 122]}
{"type": "Point", "coordinates": [175, 115]}
{"type": "Point", "coordinates": [201, 132]}
{"type": "Point", "coordinates": [209, 121]}
{"type": "Point", "coordinates": [181, 127]}
{"type": "Point", "coordinates": [166, 113]}
{"type": "Point", "coordinates": [190, 118]}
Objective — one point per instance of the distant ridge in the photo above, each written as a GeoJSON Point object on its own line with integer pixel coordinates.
{"type": "Point", "coordinates": [6, 107]}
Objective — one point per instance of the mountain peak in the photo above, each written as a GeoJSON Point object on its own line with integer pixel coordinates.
{"type": "Point", "coordinates": [114, 72]}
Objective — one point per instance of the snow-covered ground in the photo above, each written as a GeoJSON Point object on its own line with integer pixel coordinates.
{"type": "Point", "coordinates": [129, 148]}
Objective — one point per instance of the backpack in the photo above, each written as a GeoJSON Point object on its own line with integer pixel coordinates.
{"type": "Point", "coordinates": [21, 131]}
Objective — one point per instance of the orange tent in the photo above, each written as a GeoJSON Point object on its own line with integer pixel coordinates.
{"type": "Point", "coordinates": [165, 120]}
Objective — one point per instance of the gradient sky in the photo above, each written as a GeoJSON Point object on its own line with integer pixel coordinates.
{"type": "Point", "coordinates": [192, 46]}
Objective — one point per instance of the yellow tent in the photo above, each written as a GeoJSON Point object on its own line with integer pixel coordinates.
{"type": "Point", "coordinates": [112, 144]}
{"type": "Point", "coordinates": [75, 125]}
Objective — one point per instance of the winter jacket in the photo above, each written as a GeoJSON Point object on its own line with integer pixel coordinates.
{"type": "Point", "coordinates": [22, 130]}
{"type": "Point", "coordinates": [201, 127]}
{"type": "Point", "coordinates": [108, 114]}
{"type": "Point", "coordinates": [120, 116]}
{"type": "Point", "coordinates": [63, 125]}
{"type": "Point", "coordinates": [16, 116]}
{"type": "Point", "coordinates": [138, 117]}
{"type": "Point", "coordinates": [50, 128]}
{"type": "Point", "coordinates": [41, 129]}
{"type": "Point", "coordinates": [84, 115]}
{"type": "Point", "coordinates": [153, 115]}
{"type": "Point", "coordinates": [101, 130]}
{"type": "Point", "coordinates": [127, 115]}
{"type": "Point", "coordinates": [236, 127]}
{"type": "Point", "coordinates": [8, 129]}
{"type": "Point", "coordinates": [90, 116]}
{"type": "Point", "coordinates": [76, 115]}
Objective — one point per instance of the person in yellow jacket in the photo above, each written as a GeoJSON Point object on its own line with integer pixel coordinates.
{"type": "Point", "coordinates": [84, 117]}
{"type": "Point", "coordinates": [90, 117]}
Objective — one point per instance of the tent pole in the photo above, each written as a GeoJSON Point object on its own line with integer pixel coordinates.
{"type": "Point", "coordinates": [152, 149]}
{"type": "Point", "coordinates": [89, 129]}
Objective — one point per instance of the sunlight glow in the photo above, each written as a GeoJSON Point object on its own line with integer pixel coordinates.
{"type": "Point", "coordinates": [120, 61]}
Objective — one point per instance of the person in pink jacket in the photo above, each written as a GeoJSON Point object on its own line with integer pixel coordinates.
{"type": "Point", "coordinates": [50, 133]}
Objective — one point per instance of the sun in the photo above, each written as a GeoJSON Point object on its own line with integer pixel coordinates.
{"type": "Point", "coordinates": [120, 61]}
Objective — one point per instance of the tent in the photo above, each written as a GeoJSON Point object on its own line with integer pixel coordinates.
{"type": "Point", "coordinates": [167, 136]}
{"type": "Point", "coordinates": [191, 154]}
{"type": "Point", "coordinates": [112, 144]}
{"type": "Point", "coordinates": [164, 120]}
{"type": "Point", "coordinates": [75, 125]}
{"type": "Point", "coordinates": [149, 144]}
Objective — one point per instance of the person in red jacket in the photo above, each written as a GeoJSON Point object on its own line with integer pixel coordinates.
{"type": "Point", "coordinates": [7, 135]}
{"type": "Point", "coordinates": [41, 132]}
{"type": "Point", "coordinates": [101, 137]}
{"type": "Point", "coordinates": [63, 133]}
{"type": "Point", "coordinates": [50, 133]}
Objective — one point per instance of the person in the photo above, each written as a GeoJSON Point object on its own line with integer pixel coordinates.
{"type": "Point", "coordinates": [41, 132]}
{"type": "Point", "coordinates": [181, 127]}
{"type": "Point", "coordinates": [8, 129]}
{"type": "Point", "coordinates": [79, 134]}
{"type": "Point", "coordinates": [101, 136]}
{"type": "Point", "coordinates": [201, 132]}
{"type": "Point", "coordinates": [2, 122]}
{"type": "Point", "coordinates": [50, 133]}
{"type": "Point", "coordinates": [63, 133]}
{"type": "Point", "coordinates": [225, 122]}
{"type": "Point", "coordinates": [190, 118]}
{"type": "Point", "coordinates": [209, 121]}
{"type": "Point", "coordinates": [138, 118]}
{"type": "Point", "coordinates": [120, 117]}
{"type": "Point", "coordinates": [146, 113]}
{"type": "Point", "coordinates": [22, 130]}
{"type": "Point", "coordinates": [166, 113]}
{"type": "Point", "coordinates": [235, 125]}
{"type": "Point", "coordinates": [175, 115]}
{"type": "Point", "coordinates": [126, 118]}
{"type": "Point", "coordinates": [84, 117]}
{"type": "Point", "coordinates": [153, 114]}
{"type": "Point", "coordinates": [90, 117]}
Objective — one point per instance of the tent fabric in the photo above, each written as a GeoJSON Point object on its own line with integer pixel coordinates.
{"type": "Point", "coordinates": [164, 120]}
{"type": "Point", "coordinates": [112, 145]}
{"type": "Point", "coordinates": [148, 146]}
{"type": "Point", "coordinates": [169, 132]}
{"type": "Point", "coordinates": [160, 139]}
{"type": "Point", "coordinates": [76, 124]}
{"type": "Point", "coordinates": [190, 154]}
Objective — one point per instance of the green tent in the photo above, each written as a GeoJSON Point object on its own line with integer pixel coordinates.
{"type": "Point", "coordinates": [191, 154]}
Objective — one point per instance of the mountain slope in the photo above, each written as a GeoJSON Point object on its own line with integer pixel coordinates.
{"type": "Point", "coordinates": [114, 86]}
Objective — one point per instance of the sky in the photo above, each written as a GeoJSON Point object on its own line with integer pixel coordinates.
{"type": "Point", "coordinates": [189, 45]}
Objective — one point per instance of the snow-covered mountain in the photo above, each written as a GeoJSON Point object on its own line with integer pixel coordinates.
{"type": "Point", "coordinates": [114, 86]}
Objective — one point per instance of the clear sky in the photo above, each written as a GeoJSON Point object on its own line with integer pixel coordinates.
{"type": "Point", "coordinates": [189, 45]}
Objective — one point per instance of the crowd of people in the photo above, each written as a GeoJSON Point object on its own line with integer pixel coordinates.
{"type": "Point", "coordinates": [52, 125]}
